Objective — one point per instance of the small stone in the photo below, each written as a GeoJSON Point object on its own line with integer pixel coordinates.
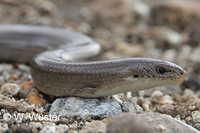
{"type": "Point", "coordinates": [74, 106]}
{"type": "Point", "coordinates": [6, 75]}
{"type": "Point", "coordinates": [3, 127]}
{"type": "Point", "coordinates": [157, 94]}
{"type": "Point", "coordinates": [35, 125]}
{"type": "Point", "coordinates": [160, 128]}
{"type": "Point", "coordinates": [197, 126]}
{"type": "Point", "coordinates": [9, 131]}
{"type": "Point", "coordinates": [173, 37]}
{"type": "Point", "coordinates": [128, 123]}
{"type": "Point", "coordinates": [11, 121]}
{"type": "Point", "coordinates": [39, 108]}
{"type": "Point", "coordinates": [48, 128]}
{"type": "Point", "coordinates": [23, 128]}
{"type": "Point", "coordinates": [145, 106]}
{"type": "Point", "coordinates": [192, 107]}
{"type": "Point", "coordinates": [35, 100]}
{"type": "Point", "coordinates": [188, 118]}
{"type": "Point", "coordinates": [95, 126]}
{"type": "Point", "coordinates": [14, 77]}
{"type": "Point", "coordinates": [11, 89]}
{"type": "Point", "coordinates": [141, 8]}
{"type": "Point", "coordinates": [24, 67]}
{"type": "Point", "coordinates": [52, 129]}
{"type": "Point", "coordinates": [64, 121]}
{"type": "Point", "coordinates": [27, 84]}
{"type": "Point", "coordinates": [189, 91]}
{"type": "Point", "coordinates": [178, 117]}
{"type": "Point", "coordinates": [10, 105]}
{"type": "Point", "coordinates": [196, 116]}
{"type": "Point", "coordinates": [129, 105]}
{"type": "Point", "coordinates": [166, 100]}
{"type": "Point", "coordinates": [172, 110]}
{"type": "Point", "coordinates": [165, 123]}
{"type": "Point", "coordinates": [188, 100]}
{"type": "Point", "coordinates": [61, 128]}
{"type": "Point", "coordinates": [28, 91]}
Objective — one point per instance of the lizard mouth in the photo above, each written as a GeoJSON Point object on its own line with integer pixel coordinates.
{"type": "Point", "coordinates": [182, 76]}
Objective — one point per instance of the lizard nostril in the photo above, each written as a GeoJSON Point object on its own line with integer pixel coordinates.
{"type": "Point", "coordinates": [182, 73]}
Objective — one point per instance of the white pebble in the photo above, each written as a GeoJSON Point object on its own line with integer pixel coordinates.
{"type": "Point", "coordinates": [145, 106]}
{"type": "Point", "coordinates": [3, 127]}
{"type": "Point", "coordinates": [196, 116]}
{"type": "Point", "coordinates": [157, 94]}
{"type": "Point", "coordinates": [52, 129]}
{"type": "Point", "coordinates": [192, 107]}
{"type": "Point", "coordinates": [12, 89]}
{"type": "Point", "coordinates": [37, 125]}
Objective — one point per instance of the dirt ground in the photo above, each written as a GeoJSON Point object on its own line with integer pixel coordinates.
{"type": "Point", "coordinates": [167, 30]}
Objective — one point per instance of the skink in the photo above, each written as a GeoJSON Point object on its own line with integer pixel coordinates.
{"type": "Point", "coordinates": [62, 72]}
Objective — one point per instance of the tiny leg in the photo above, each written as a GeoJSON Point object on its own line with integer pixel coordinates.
{"type": "Point", "coordinates": [86, 90]}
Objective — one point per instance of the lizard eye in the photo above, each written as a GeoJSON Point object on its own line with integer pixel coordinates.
{"type": "Point", "coordinates": [135, 76]}
{"type": "Point", "coordinates": [162, 70]}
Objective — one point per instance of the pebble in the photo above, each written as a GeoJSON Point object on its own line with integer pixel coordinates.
{"type": "Point", "coordinates": [197, 126]}
{"type": "Point", "coordinates": [128, 123]}
{"type": "Point", "coordinates": [160, 128]}
{"type": "Point", "coordinates": [9, 131]}
{"type": "Point", "coordinates": [188, 118]}
{"type": "Point", "coordinates": [3, 127]}
{"type": "Point", "coordinates": [53, 128]}
{"type": "Point", "coordinates": [189, 91]}
{"type": "Point", "coordinates": [35, 125]}
{"type": "Point", "coordinates": [145, 106]}
{"type": "Point", "coordinates": [24, 67]}
{"type": "Point", "coordinates": [74, 106]}
{"type": "Point", "coordinates": [61, 128]}
{"type": "Point", "coordinates": [10, 105]}
{"type": "Point", "coordinates": [39, 109]}
{"type": "Point", "coordinates": [157, 94]}
{"type": "Point", "coordinates": [165, 123]}
{"type": "Point", "coordinates": [94, 127]}
{"type": "Point", "coordinates": [172, 37]}
{"type": "Point", "coordinates": [192, 107]}
{"type": "Point", "coordinates": [196, 116]}
{"type": "Point", "coordinates": [141, 8]}
{"type": "Point", "coordinates": [172, 110]}
{"type": "Point", "coordinates": [166, 100]}
{"type": "Point", "coordinates": [23, 129]}
{"type": "Point", "coordinates": [11, 89]}
{"type": "Point", "coordinates": [129, 105]}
